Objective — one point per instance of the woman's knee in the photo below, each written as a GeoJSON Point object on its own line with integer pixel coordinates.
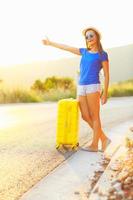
{"type": "Point", "coordinates": [95, 117]}
{"type": "Point", "coordinates": [86, 117]}
{"type": "Point", "coordinates": [96, 120]}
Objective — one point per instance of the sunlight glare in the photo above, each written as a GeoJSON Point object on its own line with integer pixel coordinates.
{"type": "Point", "coordinates": [7, 119]}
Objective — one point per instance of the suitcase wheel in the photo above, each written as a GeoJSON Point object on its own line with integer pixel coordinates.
{"type": "Point", "coordinates": [57, 146]}
{"type": "Point", "coordinates": [77, 144]}
{"type": "Point", "coordinates": [74, 147]}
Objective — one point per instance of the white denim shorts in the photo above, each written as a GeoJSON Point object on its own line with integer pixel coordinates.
{"type": "Point", "coordinates": [83, 90]}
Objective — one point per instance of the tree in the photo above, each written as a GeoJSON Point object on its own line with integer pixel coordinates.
{"type": "Point", "coordinates": [38, 85]}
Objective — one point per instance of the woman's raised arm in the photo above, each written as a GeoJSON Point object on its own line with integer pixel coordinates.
{"type": "Point", "coordinates": [61, 46]}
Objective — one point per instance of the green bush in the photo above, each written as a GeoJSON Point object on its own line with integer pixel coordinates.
{"type": "Point", "coordinates": [55, 95]}
{"type": "Point", "coordinates": [122, 88]}
{"type": "Point", "coordinates": [38, 85]}
{"type": "Point", "coordinates": [54, 82]}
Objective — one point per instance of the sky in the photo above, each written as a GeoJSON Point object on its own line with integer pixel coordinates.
{"type": "Point", "coordinates": [24, 23]}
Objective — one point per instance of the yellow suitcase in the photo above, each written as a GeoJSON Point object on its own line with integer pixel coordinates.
{"type": "Point", "coordinates": [67, 123]}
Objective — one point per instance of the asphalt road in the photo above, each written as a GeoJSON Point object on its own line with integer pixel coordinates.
{"type": "Point", "coordinates": [27, 141]}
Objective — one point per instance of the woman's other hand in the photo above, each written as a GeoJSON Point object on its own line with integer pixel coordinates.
{"type": "Point", "coordinates": [103, 98]}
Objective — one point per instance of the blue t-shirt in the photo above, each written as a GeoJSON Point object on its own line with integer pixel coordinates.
{"type": "Point", "coordinates": [90, 66]}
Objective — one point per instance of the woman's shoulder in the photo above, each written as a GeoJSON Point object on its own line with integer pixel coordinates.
{"type": "Point", "coordinates": [104, 52]}
{"type": "Point", "coordinates": [104, 55]}
{"type": "Point", "coordinates": [82, 50]}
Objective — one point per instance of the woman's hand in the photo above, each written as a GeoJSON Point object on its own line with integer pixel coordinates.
{"type": "Point", "coordinates": [46, 41]}
{"type": "Point", "coordinates": [104, 98]}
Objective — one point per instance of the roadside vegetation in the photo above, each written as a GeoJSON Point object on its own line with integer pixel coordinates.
{"type": "Point", "coordinates": [51, 89]}
{"type": "Point", "coordinates": [122, 88]}
{"type": "Point", "coordinates": [56, 88]}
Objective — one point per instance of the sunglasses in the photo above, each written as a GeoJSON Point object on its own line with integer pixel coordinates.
{"type": "Point", "coordinates": [89, 36]}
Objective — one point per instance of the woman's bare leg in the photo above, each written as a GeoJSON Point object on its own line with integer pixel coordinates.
{"type": "Point", "coordinates": [86, 115]}
{"type": "Point", "coordinates": [83, 105]}
{"type": "Point", "coordinates": [93, 101]}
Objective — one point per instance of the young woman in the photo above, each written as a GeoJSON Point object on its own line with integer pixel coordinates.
{"type": "Point", "coordinates": [93, 59]}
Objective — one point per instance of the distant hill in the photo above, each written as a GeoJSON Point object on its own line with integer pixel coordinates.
{"type": "Point", "coordinates": [121, 68]}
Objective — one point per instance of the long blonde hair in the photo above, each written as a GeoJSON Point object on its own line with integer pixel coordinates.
{"type": "Point", "coordinates": [100, 48]}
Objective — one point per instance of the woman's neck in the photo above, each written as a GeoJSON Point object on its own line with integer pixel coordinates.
{"type": "Point", "coordinates": [93, 48]}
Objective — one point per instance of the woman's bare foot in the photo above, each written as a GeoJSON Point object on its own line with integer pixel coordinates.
{"type": "Point", "coordinates": [105, 143]}
{"type": "Point", "coordinates": [90, 148]}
